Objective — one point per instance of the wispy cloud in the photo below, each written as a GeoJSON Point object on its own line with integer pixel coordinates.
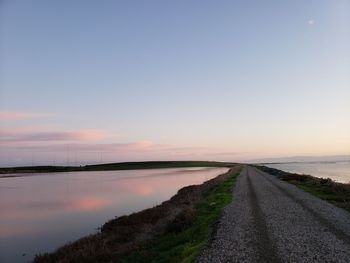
{"type": "Point", "coordinates": [10, 135]}
{"type": "Point", "coordinates": [19, 115]}
{"type": "Point", "coordinates": [130, 150]}
{"type": "Point", "coordinates": [20, 145]}
{"type": "Point", "coordinates": [138, 146]}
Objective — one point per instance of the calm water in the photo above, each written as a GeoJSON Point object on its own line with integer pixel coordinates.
{"type": "Point", "coordinates": [42, 212]}
{"type": "Point", "coordinates": [338, 171]}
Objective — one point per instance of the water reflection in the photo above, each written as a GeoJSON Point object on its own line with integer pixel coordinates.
{"type": "Point", "coordinates": [86, 204]}
{"type": "Point", "coordinates": [40, 213]}
{"type": "Point", "coordinates": [11, 231]}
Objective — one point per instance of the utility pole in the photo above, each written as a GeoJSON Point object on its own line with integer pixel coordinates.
{"type": "Point", "coordinates": [101, 155]}
{"type": "Point", "coordinates": [68, 161]}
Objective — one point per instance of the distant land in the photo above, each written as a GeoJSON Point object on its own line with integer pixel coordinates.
{"type": "Point", "coordinates": [113, 166]}
{"type": "Point", "coordinates": [167, 164]}
{"type": "Point", "coordinates": [303, 159]}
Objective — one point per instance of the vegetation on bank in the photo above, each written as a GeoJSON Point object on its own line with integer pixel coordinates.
{"type": "Point", "coordinates": [173, 231]}
{"type": "Point", "coordinates": [184, 244]}
{"type": "Point", "coordinates": [114, 166]}
{"type": "Point", "coordinates": [336, 193]}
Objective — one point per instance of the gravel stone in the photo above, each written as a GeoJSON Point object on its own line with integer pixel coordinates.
{"type": "Point", "coordinates": [273, 221]}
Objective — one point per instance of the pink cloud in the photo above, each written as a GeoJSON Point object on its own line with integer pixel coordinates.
{"type": "Point", "coordinates": [18, 115]}
{"type": "Point", "coordinates": [139, 146]}
{"type": "Point", "coordinates": [76, 148]}
{"type": "Point", "coordinates": [129, 148]}
{"type": "Point", "coordinates": [11, 135]}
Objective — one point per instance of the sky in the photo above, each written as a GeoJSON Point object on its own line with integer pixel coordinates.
{"type": "Point", "coordinates": [108, 81]}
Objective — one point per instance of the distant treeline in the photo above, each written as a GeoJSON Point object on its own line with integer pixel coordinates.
{"type": "Point", "coordinates": [114, 166]}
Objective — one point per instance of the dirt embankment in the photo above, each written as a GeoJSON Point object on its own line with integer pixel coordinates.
{"type": "Point", "coordinates": [122, 235]}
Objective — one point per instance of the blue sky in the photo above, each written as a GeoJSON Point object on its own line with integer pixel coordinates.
{"type": "Point", "coordinates": [143, 80]}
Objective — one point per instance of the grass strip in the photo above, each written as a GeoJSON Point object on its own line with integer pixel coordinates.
{"type": "Point", "coordinates": [185, 245]}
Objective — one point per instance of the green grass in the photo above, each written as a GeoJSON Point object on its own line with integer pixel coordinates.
{"type": "Point", "coordinates": [185, 245]}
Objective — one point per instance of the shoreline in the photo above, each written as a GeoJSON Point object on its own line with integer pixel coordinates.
{"type": "Point", "coordinates": [110, 167]}
{"type": "Point", "coordinates": [123, 235]}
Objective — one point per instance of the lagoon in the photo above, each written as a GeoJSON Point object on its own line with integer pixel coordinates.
{"type": "Point", "coordinates": [40, 212]}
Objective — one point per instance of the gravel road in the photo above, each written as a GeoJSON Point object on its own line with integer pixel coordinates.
{"type": "Point", "coordinates": [273, 221]}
